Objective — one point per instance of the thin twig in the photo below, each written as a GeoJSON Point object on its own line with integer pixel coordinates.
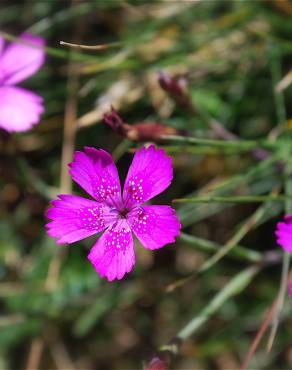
{"type": "Point", "coordinates": [91, 47]}
{"type": "Point", "coordinates": [259, 335]}
{"type": "Point", "coordinates": [279, 301]}
{"type": "Point", "coordinates": [246, 144]}
{"type": "Point", "coordinates": [69, 129]}
{"type": "Point", "coordinates": [243, 230]}
{"type": "Point", "coordinates": [284, 83]}
{"type": "Point", "coordinates": [234, 199]}
{"type": "Point", "coordinates": [35, 354]}
{"type": "Point", "coordinates": [61, 356]}
{"type": "Point", "coordinates": [234, 286]}
{"type": "Point", "coordinates": [58, 349]}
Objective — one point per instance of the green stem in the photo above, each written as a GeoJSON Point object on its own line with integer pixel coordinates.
{"type": "Point", "coordinates": [235, 286]}
{"type": "Point", "coordinates": [121, 149]}
{"type": "Point", "coordinates": [188, 212]}
{"type": "Point", "coordinates": [204, 149]}
{"type": "Point", "coordinates": [205, 245]}
{"type": "Point", "coordinates": [246, 144]}
{"type": "Point", "coordinates": [234, 199]}
{"type": "Point", "coordinates": [243, 230]}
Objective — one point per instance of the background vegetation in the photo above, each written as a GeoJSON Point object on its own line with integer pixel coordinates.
{"type": "Point", "coordinates": [227, 65]}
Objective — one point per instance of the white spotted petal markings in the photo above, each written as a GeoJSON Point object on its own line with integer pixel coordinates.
{"type": "Point", "coordinates": [74, 218]}
{"type": "Point", "coordinates": [140, 220]}
{"type": "Point", "coordinates": [105, 188]}
{"type": "Point", "coordinates": [92, 218]}
{"type": "Point", "coordinates": [118, 239]}
{"type": "Point", "coordinates": [135, 189]}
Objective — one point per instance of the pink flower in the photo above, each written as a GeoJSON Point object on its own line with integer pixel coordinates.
{"type": "Point", "coordinates": [20, 109]}
{"type": "Point", "coordinates": [284, 233]}
{"type": "Point", "coordinates": [120, 214]}
{"type": "Point", "coordinates": [284, 237]}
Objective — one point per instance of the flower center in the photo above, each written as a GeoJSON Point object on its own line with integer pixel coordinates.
{"type": "Point", "coordinates": [123, 212]}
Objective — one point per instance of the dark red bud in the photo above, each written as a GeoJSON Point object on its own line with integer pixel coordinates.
{"type": "Point", "coordinates": [114, 121]}
{"type": "Point", "coordinates": [175, 86]}
{"type": "Point", "coordinates": [141, 132]}
{"type": "Point", "coordinates": [177, 89]}
{"type": "Point", "coordinates": [148, 131]}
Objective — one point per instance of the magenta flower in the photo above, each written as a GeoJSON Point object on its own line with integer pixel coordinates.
{"type": "Point", "coordinates": [75, 218]}
{"type": "Point", "coordinates": [284, 233]}
{"type": "Point", "coordinates": [284, 237]}
{"type": "Point", "coordinates": [20, 109]}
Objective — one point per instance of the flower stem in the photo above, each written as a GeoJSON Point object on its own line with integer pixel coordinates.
{"type": "Point", "coordinates": [249, 224]}
{"type": "Point", "coordinates": [243, 144]}
{"type": "Point", "coordinates": [205, 245]}
{"type": "Point", "coordinates": [235, 286]}
{"type": "Point", "coordinates": [235, 199]}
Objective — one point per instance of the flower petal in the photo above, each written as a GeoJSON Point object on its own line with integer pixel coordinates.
{"type": "Point", "coordinates": [95, 171]}
{"type": "Point", "coordinates": [284, 233]}
{"type": "Point", "coordinates": [20, 109]}
{"type": "Point", "coordinates": [150, 173]}
{"type": "Point", "coordinates": [75, 218]}
{"type": "Point", "coordinates": [20, 61]}
{"type": "Point", "coordinates": [2, 42]}
{"type": "Point", "coordinates": [113, 254]}
{"type": "Point", "coordinates": [154, 226]}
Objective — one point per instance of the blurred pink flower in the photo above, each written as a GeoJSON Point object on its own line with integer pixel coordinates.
{"type": "Point", "coordinates": [284, 233]}
{"type": "Point", "coordinates": [290, 289]}
{"type": "Point", "coordinates": [75, 218]}
{"type": "Point", "coordinates": [20, 109]}
{"type": "Point", "coordinates": [284, 237]}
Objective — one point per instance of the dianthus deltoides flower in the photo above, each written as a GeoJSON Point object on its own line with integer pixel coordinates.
{"type": "Point", "coordinates": [284, 233]}
{"type": "Point", "coordinates": [284, 236]}
{"type": "Point", "coordinates": [119, 214]}
{"type": "Point", "coordinates": [20, 109]}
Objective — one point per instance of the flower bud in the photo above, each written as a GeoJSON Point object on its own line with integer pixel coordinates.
{"type": "Point", "coordinates": [156, 364]}
{"type": "Point", "coordinates": [149, 131]}
{"type": "Point", "coordinates": [140, 132]}
{"type": "Point", "coordinates": [173, 85]}
{"type": "Point", "coordinates": [114, 121]}
{"type": "Point", "coordinates": [176, 87]}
